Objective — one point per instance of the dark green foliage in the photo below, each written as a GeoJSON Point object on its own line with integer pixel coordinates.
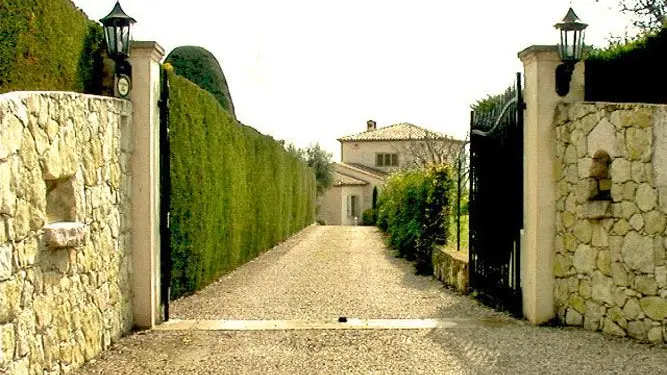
{"type": "Point", "coordinates": [368, 217]}
{"type": "Point", "coordinates": [235, 192]}
{"type": "Point", "coordinates": [48, 45]}
{"type": "Point", "coordinates": [320, 160]}
{"type": "Point", "coordinates": [201, 67]}
{"type": "Point", "coordinates": [629, 72]}
{"type": "Point", "coordinates": [414, 210]}
{"type": "Point", "coordinates": [488, 109]}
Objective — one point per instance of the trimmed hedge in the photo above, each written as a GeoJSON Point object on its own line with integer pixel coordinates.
{"type": "Point", "coordinates": [632, 73]}
{"type": "Point", "coordinates": [48, 45]}
{"type": "Point", "coordinates": [235, 192]}
{"type": "Point", "coordinates": [201, 67]}
{"type": "Point", "coordinates": [414, 210]}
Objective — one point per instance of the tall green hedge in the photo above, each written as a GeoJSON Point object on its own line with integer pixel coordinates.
{"type": "Point", "coordinates": [633, 72]}
{"type": "Point", "coordinates": [47, 45]}
{"type": "Point", "coordinates": [202, 68]}
{"type": "Point", "coordinates": [414, 210]}
{"type": "Point", "coordinates": [235, 192]}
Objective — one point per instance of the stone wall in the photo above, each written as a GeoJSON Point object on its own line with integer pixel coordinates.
{"type": "Point", "coordinates": [64, 229]}
{"type": "Point", "coordinates": [451, 267]}
{"type": "Point", "coordinates": [610, 263]}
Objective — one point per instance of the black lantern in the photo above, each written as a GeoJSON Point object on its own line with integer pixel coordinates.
{"type": "Point", "coordinates": [117, 27]}
{"type": "Point", "coordinates": [117, 32]}
{"type": "Point", "coordinates": [570, 49]}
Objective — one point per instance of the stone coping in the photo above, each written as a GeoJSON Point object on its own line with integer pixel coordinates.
{"type": "Point", "coordinates": [461, 256]}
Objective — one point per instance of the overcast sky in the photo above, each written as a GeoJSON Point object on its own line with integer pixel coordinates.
{"type": "Point", "coordinates": [312, 71]}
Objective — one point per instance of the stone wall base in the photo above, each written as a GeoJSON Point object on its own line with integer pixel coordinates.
{"type": "Point", "coordinates": [451, 267]}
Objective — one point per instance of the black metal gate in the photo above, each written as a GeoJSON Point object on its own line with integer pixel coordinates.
{"type": "Point", "coordinates": [165, 196]}
{"type": "Point", "coordinates": [496, 199]}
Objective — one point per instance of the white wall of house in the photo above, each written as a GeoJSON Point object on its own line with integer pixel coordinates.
{"type": "Point", "coordinates": [348, 217]}
{"type": "Point", "coordinates": [329, 206]}
{"type": "Point", "coordinates": [365, 153]}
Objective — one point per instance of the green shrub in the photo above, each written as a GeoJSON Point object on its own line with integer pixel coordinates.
{"type": "Point", "coordinates": [414, 210]}
{"type": "Point", "coordinates": [48, 45]}
{"type": "Point", "coordinates": [235, 192]}
{"type": "Point", "coordinates": [368, 217]}
{"type": "Point", "coordinates": [630, 72]}
{"type": "Point", "coordinates": [201, 67]}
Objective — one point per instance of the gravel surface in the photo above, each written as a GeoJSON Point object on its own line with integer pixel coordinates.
{"type": "Point", "coordinates": [324, 272]}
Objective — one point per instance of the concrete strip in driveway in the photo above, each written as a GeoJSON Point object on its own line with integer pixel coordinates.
{"type": "Point", "coordinates": [303, 324]}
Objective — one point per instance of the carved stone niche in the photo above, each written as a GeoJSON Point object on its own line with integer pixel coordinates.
{"type": "Point", "coordinates": [62, 202]}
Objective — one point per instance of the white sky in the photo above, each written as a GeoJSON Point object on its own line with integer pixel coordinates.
{"type": "Point", "coordinates": [312, 71]}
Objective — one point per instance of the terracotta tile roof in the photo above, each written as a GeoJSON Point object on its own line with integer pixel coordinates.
{"type": "Point", "coordinates": [396, 132]}
{"type": "Point", "coordinates": [345, 180]}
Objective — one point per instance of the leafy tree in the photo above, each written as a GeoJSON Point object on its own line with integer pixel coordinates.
{"type": "Point", "coordinates": [649, 15]}
{"type": "Point", "coordinates": [202, 68]}
{"type": "Point", "coordinates": [320, 160]}
{"type": "Point", "coordinates": [317, 158]}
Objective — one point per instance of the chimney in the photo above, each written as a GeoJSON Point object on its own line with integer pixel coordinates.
{"type": "Point", "coordinates": [371, 125]}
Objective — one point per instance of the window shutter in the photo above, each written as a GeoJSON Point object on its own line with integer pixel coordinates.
{"type": "Point", "coordinates": [394, 159]}
{"type": "Point", "coordinates": [378, 160]}
{"type": "Point", "coordinates": [349, 206]}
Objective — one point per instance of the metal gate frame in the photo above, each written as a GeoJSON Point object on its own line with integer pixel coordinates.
{"type": "Point", "coordinates": [165, 195]}
{"type": "Point", "coordinates": [496, 204]}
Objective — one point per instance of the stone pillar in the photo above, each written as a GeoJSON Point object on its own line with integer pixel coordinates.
{"type": "Point", "coordinates": [537, 249]}
{"type": "Point", "coordinates": [145, 59]}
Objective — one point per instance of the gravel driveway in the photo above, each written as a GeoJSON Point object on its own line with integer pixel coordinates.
{"type": "Point", "coordinates": [325, 272]}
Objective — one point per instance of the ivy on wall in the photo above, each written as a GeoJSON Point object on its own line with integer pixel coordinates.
{"type": "Point", "coordinates": [235, 191]}
{"type": "Point", "coordinates": [48, 45]}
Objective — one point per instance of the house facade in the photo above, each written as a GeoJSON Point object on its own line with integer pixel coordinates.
{"type": "Point", "coordinates": [367, 159]}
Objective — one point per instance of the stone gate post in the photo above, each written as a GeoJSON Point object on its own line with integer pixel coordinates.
{"type": "Point", "coordinates": [537, 248]}
{"type": "Point", "coordinates": [145, 60]}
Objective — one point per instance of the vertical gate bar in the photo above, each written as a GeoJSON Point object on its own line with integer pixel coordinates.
{"type": "Point", "coordinates": [165, 194]}
{"type": "Point", "coordinates": [472, 216]}
{"type": "Point", "coordinates": [458, 204]}
{"type": "Point", "coordinates": [519, 163]}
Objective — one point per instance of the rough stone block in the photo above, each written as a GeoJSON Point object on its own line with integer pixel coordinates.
{"type": "Point", "coordinates": [65, 234]}
{"type": "Point", "coordinates": [646, 285]}
{"type": "Point", "coordinates": [647, 197]}
{"type": "Point", "coordinates": [638, 143]}
{"type": "Point", "coordinates": [597, 209]}
{"type": "Point", "coordinates": [621, 170]}
{"type": "Point", "coordinates": [609, 327]}
{"type": "Point", "coordinates": [584, 259]}
{"type": "Point", "coordinates": [637, 330]}
{"type": "Point", "coordinates": [5, 261]}
{"type": "Point", "coordinates": [655, 222]}
{"type": "Point", "coordinates": [637, 252]}
{"type": "Point", "coordinates": [573, 318]}
{"type": "Point", "coordinates": [654, 307]}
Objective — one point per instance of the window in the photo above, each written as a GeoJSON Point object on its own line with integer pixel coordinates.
{"type": "Point", "coordinates": [386, 160]}
{"type": "Point", "coordinates": [352, 206]}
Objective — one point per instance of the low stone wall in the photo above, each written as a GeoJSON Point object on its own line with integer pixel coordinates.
{"type": "Point", "coordinates": [64, 229]}
{"type": "Point", "coordinates": [611, 245]}
{"type": "Point", "coordinates": [451, 267]}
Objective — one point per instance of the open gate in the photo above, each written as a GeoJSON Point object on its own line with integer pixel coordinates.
{"type": "Point", "coordinates": [496, 200]}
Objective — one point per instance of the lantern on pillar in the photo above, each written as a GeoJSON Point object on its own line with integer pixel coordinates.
{"type": "Point", "coordinates": [570, 49]}
{"type": "Point", "coordinates": [117, 34]}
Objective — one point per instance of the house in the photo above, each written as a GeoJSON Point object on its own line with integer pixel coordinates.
{"type": "Point", "coordinates": [369, 157]}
